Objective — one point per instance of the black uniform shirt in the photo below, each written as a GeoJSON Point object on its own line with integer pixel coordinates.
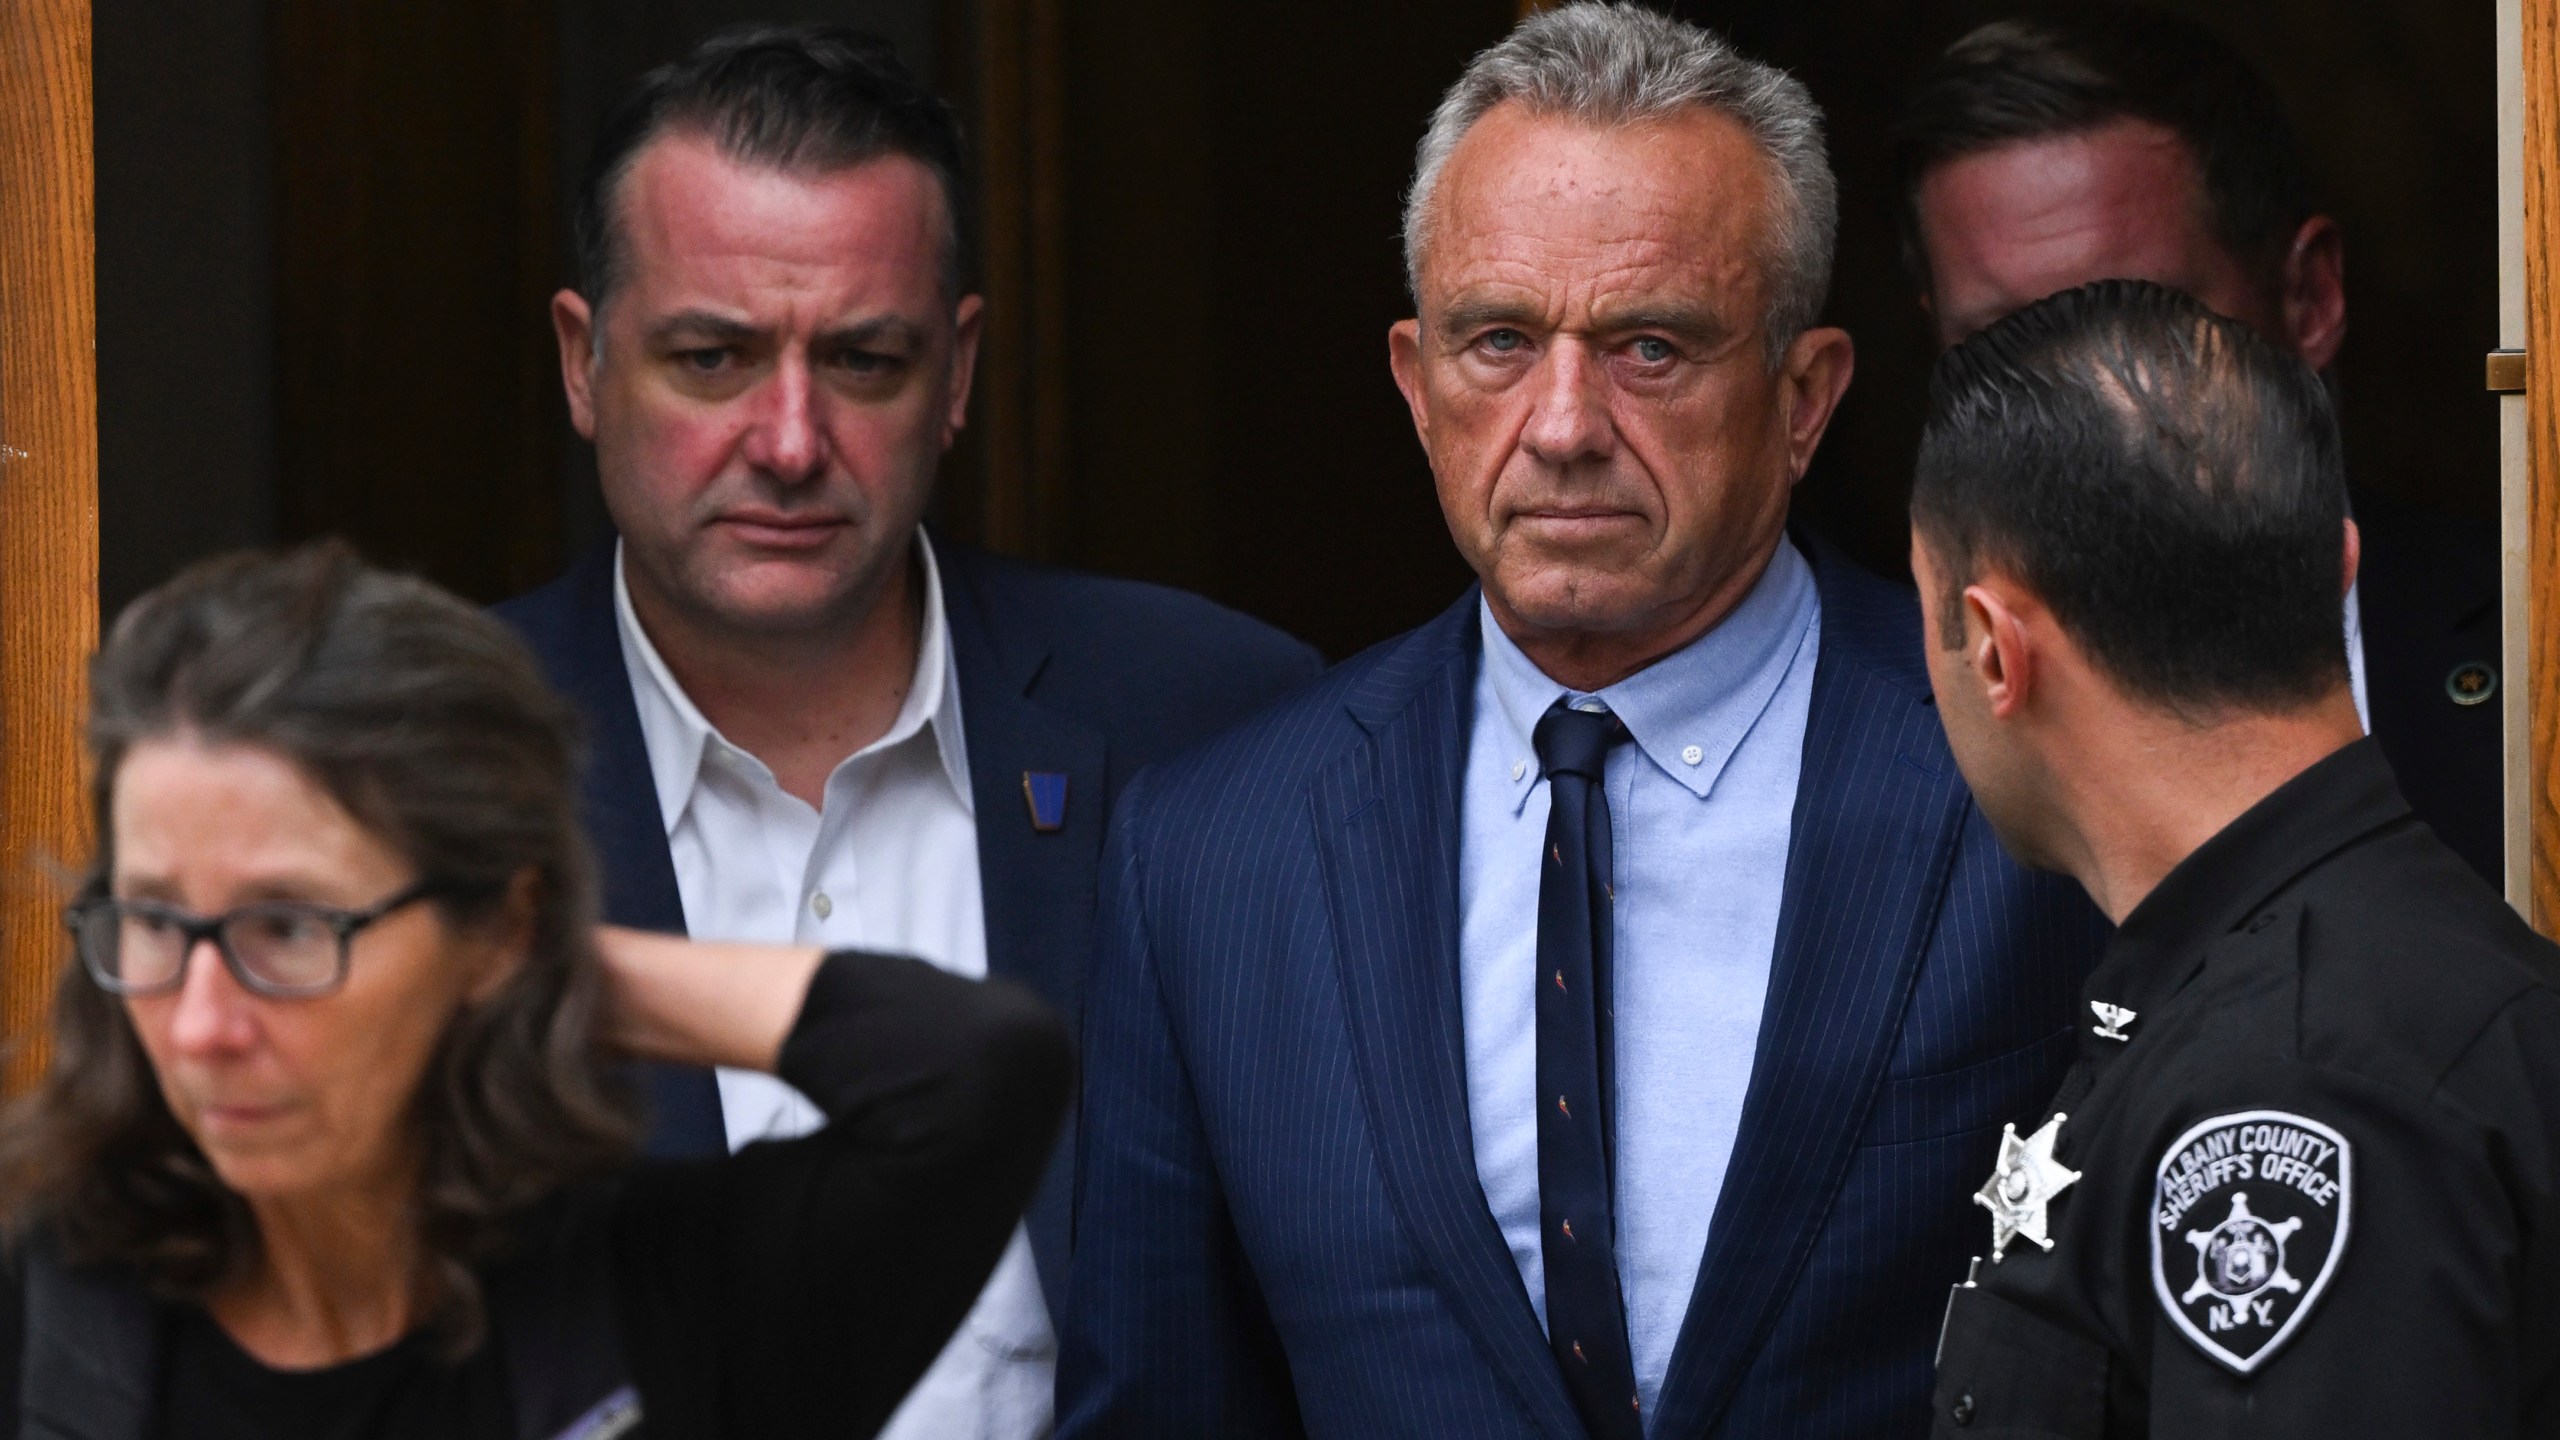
{"type": "Point", "coordinates": [2318, 1186]}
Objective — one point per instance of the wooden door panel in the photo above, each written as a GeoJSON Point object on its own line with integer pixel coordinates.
{"type": "Point", "coordinates": [48, 493]}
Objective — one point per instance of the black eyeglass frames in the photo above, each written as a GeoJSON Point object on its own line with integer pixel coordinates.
{"type": "Point", "coordinates": [282, 949]}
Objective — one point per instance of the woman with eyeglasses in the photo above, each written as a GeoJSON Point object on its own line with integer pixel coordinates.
{"type": "Point", "coordinates": [335, 1139]}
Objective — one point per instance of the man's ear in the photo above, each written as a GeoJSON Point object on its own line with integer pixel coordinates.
{"type": "Point", "coordinates": [1815, 374]}
{"type": "Point", "coordinates": [2355, 551]}
{"type": "Point", "coordinates": [1998, 650]}
{"type": "Point", "coordinates": [2315, 291]}
{"type": "Point", "coordinates": [1404, 359]}
{"type": "Point", "coordinates": [967, 323]}
{"type": "Point", "coordinates": [573, 325]}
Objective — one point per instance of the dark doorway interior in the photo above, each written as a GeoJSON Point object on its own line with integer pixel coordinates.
{"type": "Point", "coordinates": [2397, 109]}
{"type": "Point", "coordinates": [1235, 182]}
{"type": "Point", "coordinates": [1235, 185]}
{"type": "Point", "coordinates": [186, 286]}
{"type": "Point", "coordinates": [326, 237]}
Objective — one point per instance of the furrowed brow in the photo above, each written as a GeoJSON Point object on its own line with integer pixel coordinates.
{"type": "Point", "coordinates": [1468, 316]}
{"type": "Point", "coordinates": [886, 332]}
{"type": "Point", "coordinates": [1702, 328]}
{"type": "Point", "coordinates": [700, 327]}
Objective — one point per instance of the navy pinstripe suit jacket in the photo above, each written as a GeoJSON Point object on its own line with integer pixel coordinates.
{"type": "Point", "coordinates": [1279, 1228]}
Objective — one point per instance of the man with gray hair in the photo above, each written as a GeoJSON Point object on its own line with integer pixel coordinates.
{"type": "Point", "coordinates": [1572, 1017]}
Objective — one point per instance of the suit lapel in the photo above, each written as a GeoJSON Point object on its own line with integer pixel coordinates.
{"type": "Point", "coordinates": [1036, 886]}
{"type": "Point", "coordinates": [1386, 823]}
{"type": "Point", "coordinates": [1878, 811]}
{"type": "Point", "coordinates": [581, 646]}
{"type": "Point", "coordinates": [619, 799]}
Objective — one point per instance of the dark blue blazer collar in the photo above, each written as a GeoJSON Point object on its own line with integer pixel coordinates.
{"type": "Point", "coordinates": [581, 645]}
{"type": "Point", "coordinates": [1880, 808]}
{"type": "Point", "coordinates": [1385, 812]}
{"type": "Point", "coordinates": [1868, 622]}
{"type": "Point", "coordinates": [1038, 884]}
{"type": "Point", "coordinates": [1878, 811]}
{"type": "Point", "coordinates": [1037, 887]}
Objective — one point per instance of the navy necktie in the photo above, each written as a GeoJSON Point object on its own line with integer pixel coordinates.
{"type": "Point", "coordinates": [1586, 1314]}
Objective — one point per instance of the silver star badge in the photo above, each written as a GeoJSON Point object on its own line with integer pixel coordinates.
{"type": "Point", "coordinates": [2023, 1185]}
{"type": "Point", "coordinates": [2111, 1020]}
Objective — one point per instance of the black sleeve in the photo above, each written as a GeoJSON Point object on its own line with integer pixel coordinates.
{"type": "Point", "coordinates": [799, 1288]}
{"type": "Point", "coordinates": [2439, 1319]}
{"type": "Point", "coordinates": [13, 1337]}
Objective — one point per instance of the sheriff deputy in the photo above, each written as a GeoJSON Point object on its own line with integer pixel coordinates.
{"type": "Point", "coordinates": [2304, 1178]}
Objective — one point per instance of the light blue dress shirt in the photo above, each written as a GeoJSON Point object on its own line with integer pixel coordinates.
{"type": "Point", "coordinates": [1701, 809]}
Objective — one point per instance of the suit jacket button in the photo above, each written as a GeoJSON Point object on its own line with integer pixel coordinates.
{"type": "Point", "coordinates": [2472, 683]}
{"type": "Point", "coordinates": [1962, 1411]}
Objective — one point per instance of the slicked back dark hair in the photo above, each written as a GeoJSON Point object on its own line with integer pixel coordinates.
{"type": "Point", "coordinates": [807, 99]}
{"type": "Point", "coordinates": [2168, 482]}
{"type": "Point", "coordinates": [2057, 71]}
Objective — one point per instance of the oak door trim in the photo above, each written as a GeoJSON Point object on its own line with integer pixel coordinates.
{"type": "Point", "coordinates": [48, 495]}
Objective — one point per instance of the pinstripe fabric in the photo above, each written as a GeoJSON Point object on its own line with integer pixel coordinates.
{"type": "Point", "coordinates": [1279, 1229]}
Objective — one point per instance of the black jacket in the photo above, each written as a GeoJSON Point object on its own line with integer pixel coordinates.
{"type": "Point", "coordinates": [796, 1288]}
{"type": "Point", "coordinates": [2429, 595]}
{"type": "Point", "coordinates": [2317, 1185]}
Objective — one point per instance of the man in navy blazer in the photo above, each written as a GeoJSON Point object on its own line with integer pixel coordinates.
{"type": "Point", "coordinates": [811, 720]}
{"type": "Point", "coordinates": [1587, 1014]}
{"type": "Point", "coordinates": [2099, 142]}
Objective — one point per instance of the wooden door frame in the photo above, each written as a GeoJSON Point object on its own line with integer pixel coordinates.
{"type": "Point", "coordinates": [48, 494]}
{"type": "Point", "coordinates": [2528, 81]}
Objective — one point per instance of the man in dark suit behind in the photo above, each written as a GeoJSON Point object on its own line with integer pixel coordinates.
{"type": "Point", "coordinates": [2102, 142]}
{"type": "Point", "coordinates": [1585, 1014]}
{"type": "Point", "coordinates": [811, 720]}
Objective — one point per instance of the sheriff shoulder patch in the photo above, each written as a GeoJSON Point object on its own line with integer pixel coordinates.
{"type": "Point", "coordinates": [2248, 1219]}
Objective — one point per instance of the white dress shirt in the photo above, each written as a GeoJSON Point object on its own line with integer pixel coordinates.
{"type": "Point", "coordinates": [890, 864]}
{"type": "Point", "coordinates": [2355, 659]}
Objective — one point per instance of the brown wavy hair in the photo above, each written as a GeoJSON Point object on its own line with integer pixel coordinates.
{"type": "Point", "coordinates": [432, 726]}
